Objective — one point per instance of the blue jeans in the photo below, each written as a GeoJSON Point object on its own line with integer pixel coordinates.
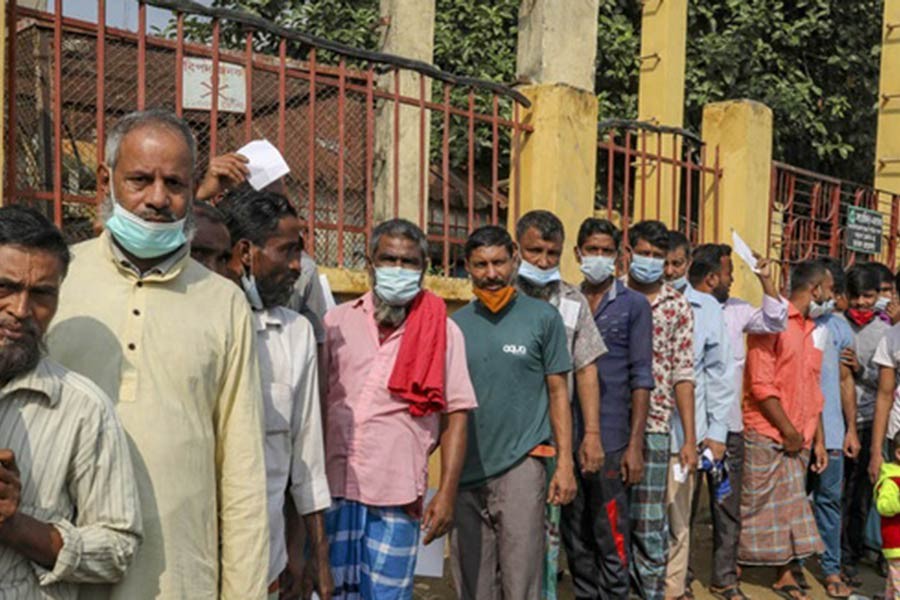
{"type": "Point", "coordinates": [827, 490]}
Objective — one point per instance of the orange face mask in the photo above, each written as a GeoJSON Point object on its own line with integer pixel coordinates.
{"type": "Point", "coordinates": [495, 300]}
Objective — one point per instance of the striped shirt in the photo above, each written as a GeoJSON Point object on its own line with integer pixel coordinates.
{"type": "Point", "coordinates": [76, 474]}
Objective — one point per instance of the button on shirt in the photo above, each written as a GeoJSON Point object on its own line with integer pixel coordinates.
{"type": "Point", "coordinates": [176, 351]}
{"type": "Point", "coordinates": [714, 385]}
{"type": "Point", "coordinates": [840, 337]}
{"type": "Point", "coordinates": [376, 451]}
{"type": "Point", "coordinates": [673, 354]}
{"type": "Point", "coordinates": [293, 444]}
{"type": "Point", "coordinates": [76, 474]}
{"type": "Point", "coordinates": [786, 366]}
{"type": "Point", "coordinates": [742, 317]}
{"type": "Point", "coordinates": [625, 321]}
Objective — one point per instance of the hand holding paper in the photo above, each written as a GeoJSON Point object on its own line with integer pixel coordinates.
{"type": "Point", "coordinates": [741, 248]}
{"type": "Point", "coordinates": [266, 163]}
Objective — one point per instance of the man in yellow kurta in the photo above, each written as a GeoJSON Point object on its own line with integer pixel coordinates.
{"type": "Point", "coordinates": [172, 344]}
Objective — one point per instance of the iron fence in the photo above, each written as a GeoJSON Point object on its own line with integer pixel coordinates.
{"type": "Point", "coordinates": [808, 216]}
{"type": "Point", "coordinates": [650, 171]}
{"type": "Point", "coordinates": [367, 135]}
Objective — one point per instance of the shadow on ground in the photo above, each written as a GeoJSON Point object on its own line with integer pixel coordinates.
{"type": "Point", "coordinates": [755, 581]}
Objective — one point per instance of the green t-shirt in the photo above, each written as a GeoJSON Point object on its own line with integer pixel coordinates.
{"type": "Point", "coordinates": [509, 356]}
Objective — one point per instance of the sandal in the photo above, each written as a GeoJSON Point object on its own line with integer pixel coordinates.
{"type": "Point", "coordinates": [788, 592]}
{"type": "Point", "coordinates": [832, 589]}
{"type": "Point", "coordinates": [800, 577]}
{"type": "Point", "coordinates": [732, 592]}
{"type": "Point", "coordinates": [851, 579]}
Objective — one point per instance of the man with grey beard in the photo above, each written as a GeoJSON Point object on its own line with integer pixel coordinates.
{"type": "Point", "coordinates": [541, 236]}
{"type": "Point", "coordinates": [396, 385]}
{"type": "Point", "coordinates": [69, 509]}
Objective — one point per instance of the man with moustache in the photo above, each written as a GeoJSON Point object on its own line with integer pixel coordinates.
{"type": "Point", "coordinates": [540, 235]}
{"type": "Point", "coordinates": [173, 345]}
{"type": "Point", "coordinates": [68, 503]}
{"type": "Point", "coordinates": [519, 362]}
{"type": "Point", "coordinates": [397, 385]}
{"type": "Point", "coordinates": [265, 262]}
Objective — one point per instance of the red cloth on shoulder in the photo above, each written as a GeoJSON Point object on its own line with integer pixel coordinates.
{"type": "Point", "coordinates": [418, 375]}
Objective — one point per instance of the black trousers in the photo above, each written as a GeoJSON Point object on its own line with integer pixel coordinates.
{"type": "Point", "coordinates": [857, 500]}
{"type": "Point", "coordinates": [596, 534]}
{"type": "Point", "coordinates": [726, 516]}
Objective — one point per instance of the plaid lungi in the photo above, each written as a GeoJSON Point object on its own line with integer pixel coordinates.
{"type": "Point", "coordinates": [777, 523]}
{"type": "Point", "coordinates": [649, 522]}
{"type": "Point", "coordinates": [372, 551]}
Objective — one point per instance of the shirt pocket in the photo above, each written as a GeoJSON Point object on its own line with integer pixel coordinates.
{"type": "Point", "coordinates": [614, 330]}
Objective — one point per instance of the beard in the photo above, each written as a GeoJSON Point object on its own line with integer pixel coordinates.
{"type": "Point", "coordinates": [544, 293]}
{"type": "Point", "coordinates": [275, 293]}
{"type": "Point", "coordinates": [18, 357]}
{"type": "Point", "coordinates": [388, 315]}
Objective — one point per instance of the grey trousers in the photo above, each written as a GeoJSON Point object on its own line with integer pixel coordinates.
{"type": "Point", "coordinates": [497, 543]}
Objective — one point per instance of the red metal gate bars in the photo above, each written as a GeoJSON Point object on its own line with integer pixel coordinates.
{"type": "Point", "coordinates": [368, 136]}
{"type": "Point", "coordinates": [651, 171]}
{"type": "Point", "coordinates": [808, 217]}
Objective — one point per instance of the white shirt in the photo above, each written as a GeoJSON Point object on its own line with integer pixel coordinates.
{"type": "Point", "coordinates": [742, 317]}
{"type": "Point", "coordinates": [294, 447]}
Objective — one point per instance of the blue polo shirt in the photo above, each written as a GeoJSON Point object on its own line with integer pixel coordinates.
{"type": "Point", "coordinates": [625, 322]}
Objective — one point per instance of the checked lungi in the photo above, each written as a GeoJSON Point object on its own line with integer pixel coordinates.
{"type": "Point", "coordinates": [649, 523]}
{"type": "Point", "coordinates": [777, 523]}
{"type": "Point", "coordinates": [372, 551]}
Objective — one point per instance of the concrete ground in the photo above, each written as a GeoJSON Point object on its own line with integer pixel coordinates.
{"type": "Point", "coordinates": [755, 581]}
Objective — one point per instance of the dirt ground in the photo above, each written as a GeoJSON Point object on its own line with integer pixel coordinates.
{"type": "Point", "coordinates": [755, 581]}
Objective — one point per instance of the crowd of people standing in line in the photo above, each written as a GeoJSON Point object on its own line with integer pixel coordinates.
{"type": "Point", "coordinates": [181, 418]}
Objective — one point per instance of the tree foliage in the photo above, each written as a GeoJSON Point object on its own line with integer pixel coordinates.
{"type": "Point", "coordinates": [814, 62]}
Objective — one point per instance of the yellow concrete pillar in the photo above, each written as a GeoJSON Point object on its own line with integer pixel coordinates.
{"type": "Point", "coordinates": [557, 47]}
{"type": "Point", "coordinates": [887, 148]}
{"type": "Point", "coordinates": [742, 130]}
{"type": "Point", "coordinates": [408, 32]}
{"type": "Point", "coordinates": [661, 101]}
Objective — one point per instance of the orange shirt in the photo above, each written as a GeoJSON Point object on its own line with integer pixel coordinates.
{"type": "Point", "coordinates": [786, 366]}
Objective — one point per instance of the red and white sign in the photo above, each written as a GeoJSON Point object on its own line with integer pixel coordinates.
{"type": "Point", "coordinates": [198, 85]}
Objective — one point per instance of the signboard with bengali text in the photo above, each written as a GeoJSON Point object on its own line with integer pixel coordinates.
{"type": "Point", "coordinates": [198, 85]}
{"type": "Point", "coordinates": [864, 230]}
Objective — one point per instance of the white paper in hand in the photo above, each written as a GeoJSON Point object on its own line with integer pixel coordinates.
{"type": "Point", "coordinates": [741, 248]}
{"type": "Point", "coordinates": [266, 164]}
{"type": "Point", "coordinates": [680, 473]}
{"type": "Point", "coordinates": [430, 560]}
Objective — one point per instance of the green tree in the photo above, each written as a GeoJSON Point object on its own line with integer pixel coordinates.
{"type": "Point", "coordinates": [814, 62]}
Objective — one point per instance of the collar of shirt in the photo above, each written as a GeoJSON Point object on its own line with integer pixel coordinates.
{"type": "Point", "coordinates": [692, 296]}
{"type": "Point", "coordinates": [163, 271]}
{"type": "Point", "coordinates": [610, 296]}
{"type": "Point", "coordinates": [266, 319]}
{"type": "Point", "coordinates": [666, 294]}
{"type": "Point", "coordinates": [40, 380]}
{"type": "Point", "coordinates": [366, 303]}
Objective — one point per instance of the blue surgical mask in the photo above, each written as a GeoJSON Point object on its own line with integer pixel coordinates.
{"type": "Point", "coordinates": [248, 282]}
{"type": "Point", "coordinates": [597, 269]}
{"type": "Point", "coordinates": [882, 303]}
{"type": "Point", "coordinates": [397, 286]}
{"type": "Point", "coordinates": [646, 269]}
{"type": "Point", "coordinates": [679, 284]}
{"type": "Point", "coordinates": [820, 309]}
{"type": "Point", "coordinates": [143, 238]}
{"type": "Point", "coordinates": [538, 276]}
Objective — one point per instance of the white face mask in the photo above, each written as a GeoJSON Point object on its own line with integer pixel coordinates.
{"type": "Point", "coordinates": [597, 269]}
